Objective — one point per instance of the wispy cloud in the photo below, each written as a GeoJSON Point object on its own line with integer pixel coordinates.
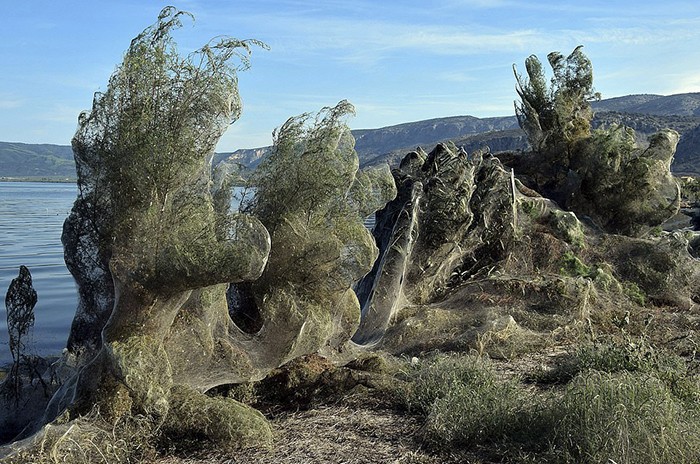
{"type": "Point", "coordinates": [481, 3]}
{"type": "Point", "coordinates": [369, 39]}
{"type": "Point", "coordinates": [637, 36]}
{"type": "Point", "coordinates": [459, 77]}
{"type": "Point", "coordinates": [396, 61]}
{"type": "Point", "coordinates": [379, 39]}
{"type": "Point", "coordinates": [684, 83]}
{"type": "Point", "coordinates": [7, 103]}
{"type": "Point", "coordinates": [62, 114]}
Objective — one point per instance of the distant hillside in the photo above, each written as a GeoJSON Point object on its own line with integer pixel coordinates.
{"type": "Point", "coordinates": [248, 158]}
{"type": "Point", "coordinates": [682, 104]}
{"type": "Point", "coordinates": [372, 142]}
{"type": "Point", "coordinates": [645, 113]}
{"type": "Point", "coordinates": [27, 160]}
{"type": "Point", "coordinates": [502, 140]}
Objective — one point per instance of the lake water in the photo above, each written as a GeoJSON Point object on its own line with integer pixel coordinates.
{"type": "Point", "coordinates": [31, 220]}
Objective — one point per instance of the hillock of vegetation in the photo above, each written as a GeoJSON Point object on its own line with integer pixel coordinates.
{"type": "Point", "coordinates": [525, 307]}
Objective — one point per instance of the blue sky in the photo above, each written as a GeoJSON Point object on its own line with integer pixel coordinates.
{"type": "Point", "coordinates": [396, 61]}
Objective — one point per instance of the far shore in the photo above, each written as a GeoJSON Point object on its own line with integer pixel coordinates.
{"type": "Point", "coordinates": [54, 179]}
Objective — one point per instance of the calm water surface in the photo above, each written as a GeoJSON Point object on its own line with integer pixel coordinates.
{"type": "Point", "coordinates": [31, 220]}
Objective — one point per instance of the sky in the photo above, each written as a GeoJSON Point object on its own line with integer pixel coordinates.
{"type": "Point", "coordinates": [396, 61]}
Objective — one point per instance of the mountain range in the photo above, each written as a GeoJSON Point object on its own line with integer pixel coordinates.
{"type": "Point", "coordinates": [645, 113]}
{"type": "Point", "coordinates": [36, 161]}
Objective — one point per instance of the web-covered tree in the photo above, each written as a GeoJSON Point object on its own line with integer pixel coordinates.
{"type": "Point", "coordinates": [603, 173]}
{"type": "Point", "coordinates": [150, 133]}
{"type": "Point", "coordinates": [142, 238]}
{"type": "Point", "coordinates": [313, 199]}
{"type": "Point", "coordinates": [556, 116]}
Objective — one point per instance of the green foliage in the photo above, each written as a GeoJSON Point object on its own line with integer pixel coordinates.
{"type": "Point", "coordinates": [635, 293]}
{"type": "Point", "coordinates": [630, 354]}
{"type": "Point", "coordinates": [434, 378]}
{"type": "Point", "coordinates": [619, 183]}
{"type": "Point", "coordinates": [557, 115]}
{"type": "Point", "coordinates": [312, 198]}
{"type": "Point", "coordinates": [162, 112]}
{"type": "Point", "coordinates": [306, 196]}
{"type": "Point", "coordinates": [311, 168]}
{"type": "Point", "coordinates": [465, 401]}
{"type": "Point", "coordinates": [624, 401]}
{"type": "Point", "coordinates": [145, 218]}
{"type": "Point", "coordinates": [606, 151]}
{"type": "Point", "coordinates": [600, 174]}
{"type": "Point", "coordinates": [572, 266]}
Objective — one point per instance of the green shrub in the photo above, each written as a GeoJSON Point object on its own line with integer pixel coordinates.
{"type": "Point", "coordinates": [485, 411]}
{"type": "Point", "coordinates": [631, 354]}
{"type": "Point", "coordinates": [434, 378]}
{"type": "Point", "coordinates": [622, 418]}
{"type": "Point", "coordinates": [635, 293]}
{"type": "Point", "coordinates": [625, 402]}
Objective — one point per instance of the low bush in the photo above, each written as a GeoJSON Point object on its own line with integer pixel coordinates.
{"type": "Point", "coordinates": [623, 402]}
{"type": "Point", "coordinates": [433, 379]}
{"type": "Point", "coordinates": [632, 354]}
{"type": "Point", "coordinates": [465, 402]}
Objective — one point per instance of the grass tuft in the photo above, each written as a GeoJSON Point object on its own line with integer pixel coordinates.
{"type": "Point", "coordinates": [464, 400]}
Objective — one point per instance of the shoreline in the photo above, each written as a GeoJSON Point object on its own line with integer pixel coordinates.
{"type": "Point", "coordinates": [45, 179]}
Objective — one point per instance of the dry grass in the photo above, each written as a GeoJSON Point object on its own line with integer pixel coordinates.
{"type": "Point", "coordinates": [335, 434]}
